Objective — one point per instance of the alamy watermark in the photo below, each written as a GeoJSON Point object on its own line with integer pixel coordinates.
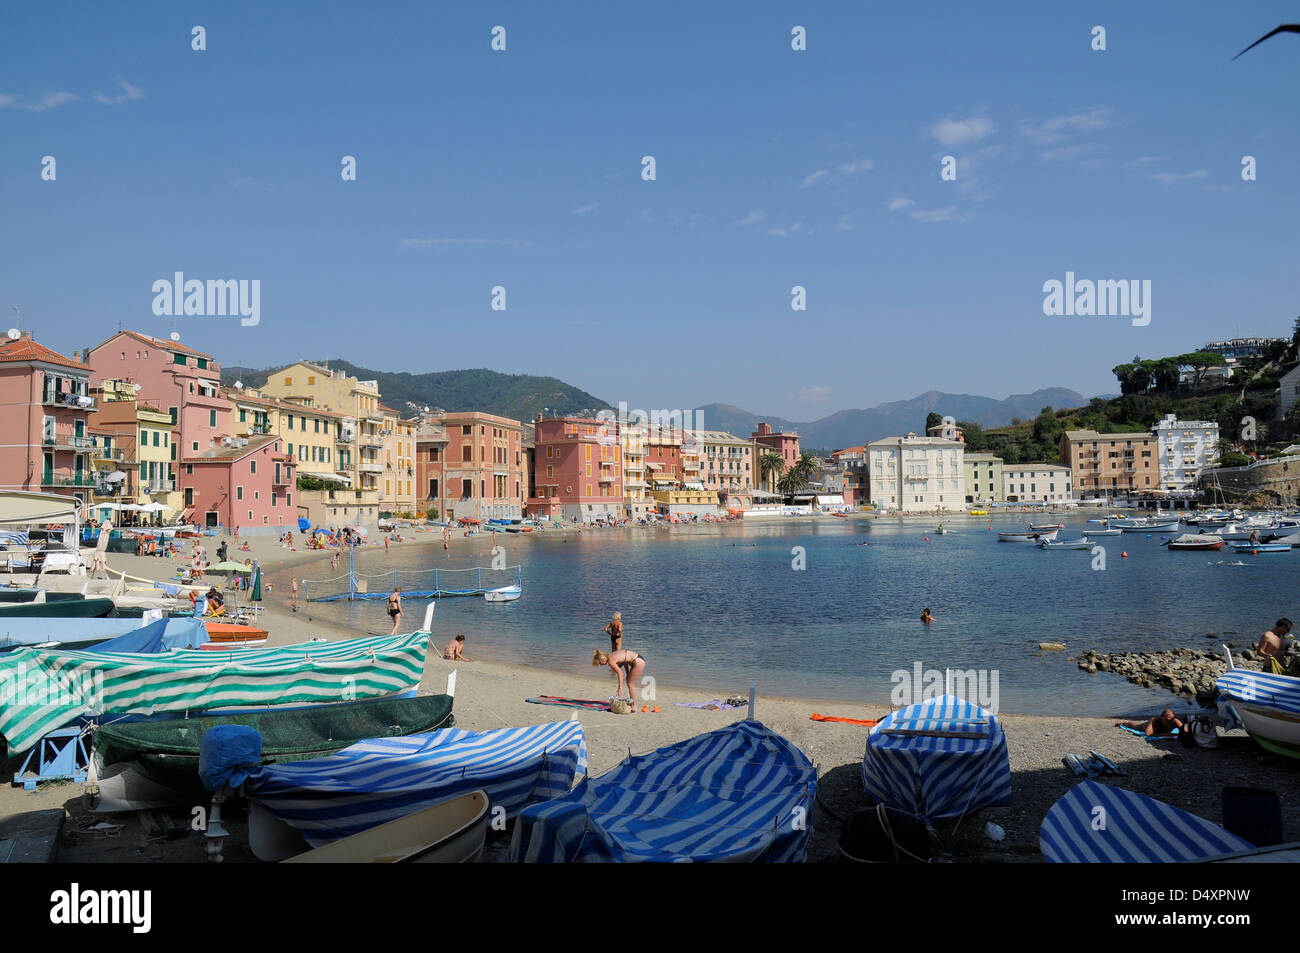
{"type": "Point", "coordinates": [1104, 298]}
{"type": "Point", "coordinates": [37, 687]}
{"type": "Point", "coordinates": [213, 298]}
{"type": "Point", "coordinates": [979, 686]}
{"type": "Point", "coordinates": [661, 426]}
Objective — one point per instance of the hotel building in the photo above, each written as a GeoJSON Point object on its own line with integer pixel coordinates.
{"type": "Point", "coordinates": [911, 473]}
{"type": "Point", "coordinates": [1183, 449]}
{"type": "Point", "coordinates": [1109, 463]}
{"type": "Point", "coordinates": [1036, 482]}
{"type": "Point", "coordinates": [579, 470]}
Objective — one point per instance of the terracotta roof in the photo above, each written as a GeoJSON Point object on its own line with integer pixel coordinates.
{"type": "Point", "coordinates": [26, 349]}
{"type": "Point", "coordinates": [219, 454]}
{"type": "Point", "coordinates": [164, 343]}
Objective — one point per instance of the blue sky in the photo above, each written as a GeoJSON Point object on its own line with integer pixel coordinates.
{"type": "Point", "coordinates": [775, 168]}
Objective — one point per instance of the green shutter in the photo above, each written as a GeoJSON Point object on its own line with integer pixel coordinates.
{"type": "Point", "coordinates": [178, 359]}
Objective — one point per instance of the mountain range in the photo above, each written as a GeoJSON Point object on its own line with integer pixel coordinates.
{"type": "Point", "coordinates": [524, 396]}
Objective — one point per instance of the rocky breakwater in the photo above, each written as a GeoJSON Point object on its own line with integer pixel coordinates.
{"type": "Point", "coordinates": [1188, 673]}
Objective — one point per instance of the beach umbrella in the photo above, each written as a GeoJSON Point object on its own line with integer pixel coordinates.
{"type": "Point", "coordinates": [304, 524]}
{"type": "Point", "coordinates": [230, 566]}
{"type": "Point", "coordinates": [152, 507]}
{"type": "Point", "coordinates": [256, 594]}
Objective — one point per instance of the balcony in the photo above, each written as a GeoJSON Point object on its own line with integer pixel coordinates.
{"type": "Point", "coordinates": [158, 486]}
{"type": "Point", "coordinates": [66, 441]}
{"type": "Point", "coordinates": [370, 467]}
{"type": "Point", "coordinates": [345, 437]}
{"type": "Point", "coordinates": [79, 479]}
{"type": "Point", "coordinates": [372, 441]}
{"type": "Point", "coordinates": [111, 455]}
{"type": "Point", "coordinates": [73, 401]}
{"type": "Point", "coordinates": [283, 478]}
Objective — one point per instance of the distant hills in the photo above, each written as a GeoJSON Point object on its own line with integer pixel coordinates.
{"type": "Point", "coordinates": [849, 428]}
{"type": "Point", "coordinates": [524, 396]}
{"type": "Point", "coordinates": [521, 396]}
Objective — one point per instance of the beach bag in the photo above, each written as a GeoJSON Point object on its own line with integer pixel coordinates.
{"type": "Point", "coordinates": [1198, 730]}
{"type": "Point", "coordinates": [620, 707]}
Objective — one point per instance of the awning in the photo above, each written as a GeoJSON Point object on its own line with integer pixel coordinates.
{"type": "Point", "coordinates": [332, 477]}
{"type": "Point", "coordinates": [19, 506]}
{"type": "Point", "coordinates": [663, 479]}
{"type": "Point", "coordinates": [117, 476]}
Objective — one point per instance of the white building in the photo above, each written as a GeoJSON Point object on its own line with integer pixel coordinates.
{"type": "Point", "coordinates": [1184, 448]}
{"type": "Point", "coordinates": [912, 474]}
{"type": "Point", "coordinates": [1289, 392]}
{"type": "Point", "coordinates": [1036, 482]}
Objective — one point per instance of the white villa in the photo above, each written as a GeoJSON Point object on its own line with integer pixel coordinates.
{"type": "Point", "coordinates": [914, 473]}
{"type": "Point", "coordinates": [1184, 448]}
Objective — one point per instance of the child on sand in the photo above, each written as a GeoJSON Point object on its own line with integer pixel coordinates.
{"type": "Point", "coordinates": [454, 652]}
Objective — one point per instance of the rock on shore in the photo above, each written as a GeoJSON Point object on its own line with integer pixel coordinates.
{"type": "Point", "coordinates": [1188, 673]}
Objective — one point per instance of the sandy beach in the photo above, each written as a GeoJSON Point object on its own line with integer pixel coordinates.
{"type": "Point", "coordinates": [492, 695]}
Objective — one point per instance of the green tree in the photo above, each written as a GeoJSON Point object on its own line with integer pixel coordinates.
{"type": "Point", "coordinates": [771, 466]}
{"type": "Point", "coordinates": [1133, 378]}
{"type": "Point", "coordinates": [976, 441]}
{"type": "Point", "coordinates": [1048, 427]}
{"type": "Point", "coordinates": [1199, 363]}
{"type": "Point", "coordinates": [805, 467]}
{"type": "Point", "coordinates": [792, 482]}
{"type": "Point", "coordinates": [932, 419]}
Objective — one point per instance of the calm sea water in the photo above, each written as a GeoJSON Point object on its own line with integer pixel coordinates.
{"type": "Point", "coordinates": [720, 606]}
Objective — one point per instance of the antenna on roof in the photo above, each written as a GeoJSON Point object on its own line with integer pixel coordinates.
{"type": "Point", "coordinates": [175, 335]}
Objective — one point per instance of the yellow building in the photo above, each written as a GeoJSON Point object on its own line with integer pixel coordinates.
{"type": "Point", "coordinates": [636, 494]}
{"type": "Point", "coordinates": [358, 443]}
{"type": "Point", "coordinates": [397, 484]}
{"type": "Point", "coordinates": [133, 449]}
{"type": "Point", "coordinates": [310, 433]}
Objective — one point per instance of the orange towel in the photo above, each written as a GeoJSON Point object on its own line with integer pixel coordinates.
{"type": "Point", "coordinates": [865, 722]}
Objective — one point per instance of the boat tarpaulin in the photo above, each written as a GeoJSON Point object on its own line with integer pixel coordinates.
{"type": "Point", "coordinates": [180, 632]}
{"type": "Point", "coordinates": [383, 779]}
{"type": "Point", "coordinates": [227, 754]}
{"type": "Point", "coordinates": [741, 793]}
{"type": "Point", "coordinates": [43, 689]}
{"type": "Point", "coordinates": [941, 757]}
{"type": "Point", "coordinates": [1138, 830]}
{"type": "Point", "coordinates": [1260, 688]}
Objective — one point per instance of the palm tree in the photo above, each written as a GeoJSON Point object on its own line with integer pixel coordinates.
{"type": "Point", "coordinates": [771, 466]}
{"type": "Point", "coordinates": [805, 466]}
{"type": "Point", "coordinates": [792, 482]}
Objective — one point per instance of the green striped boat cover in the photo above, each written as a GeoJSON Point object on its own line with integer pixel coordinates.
{"type": "Point", "coordinates": [41, 690]}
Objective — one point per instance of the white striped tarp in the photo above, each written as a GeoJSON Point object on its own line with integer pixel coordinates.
{"type": "Point", "coordinates": [384, 779]}
{"type": "Point", "coordinates": [931, 775]}
{"type": "Point", "coordinates": [1261, 688]}
{"type": "Point", "coordinates": [41, 690]}
{"type": "Point", "coordinates": [742, 794]}
{"type": "Point", "coordinates": [1094, 823]}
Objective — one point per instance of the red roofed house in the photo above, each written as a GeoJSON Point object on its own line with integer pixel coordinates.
{"type": "Point", "coordinates": [46, 402]}
{"type": "Point", "coordinates": [243, 481]}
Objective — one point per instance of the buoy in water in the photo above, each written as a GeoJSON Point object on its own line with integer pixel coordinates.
{"type": "Point", "coordinates": [1123, 555]}
{"type": "Point", "coordinates": [927, 539]}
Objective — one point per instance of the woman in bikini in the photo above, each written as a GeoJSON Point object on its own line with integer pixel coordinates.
{"type": "Point", "coordinates": [627, 665]}
{"type": "Point", "coordinates": [615, 631]}
{"type": "Point", "coordinates": [395, 608]}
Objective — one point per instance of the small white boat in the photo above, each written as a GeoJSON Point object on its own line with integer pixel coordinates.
{"type": "Point", "coordinates": [1025, 537]}
{"type": "Point", "coordinates": [1150, 527]}
{"type": "Point", "coordinates": [1103, 532]}
{"type": "Point", "coordinates": [504, 594]}
{"type": "Point", "coordinates": [451, 832]}
{"type": "Point", "coordinates": [1065, 544]}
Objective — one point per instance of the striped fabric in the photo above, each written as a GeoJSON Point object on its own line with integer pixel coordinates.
{"type": "Point", "coordinates": [41, 690]}
{"type": "Point", "coordinates": [1094, 823]}
{"type": "Point", "coordinates": [740, 794]}
{"type": "Point", "coordinates": [933, 776]}
{"type": "Point", "coordinates": [384, 779]}
{"type": "Point", "coordinates": [181, 632]}
{"type": "Point", "coordinates": [1262, 688]}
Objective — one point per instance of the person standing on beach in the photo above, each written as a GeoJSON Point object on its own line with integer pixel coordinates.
{"type": "Point", "coordinates": [294, 601]}
{"type": "Point", "coordinates": [395, 608]}
{"type": "Point", "coordinates": [623, 659]}
{"type": "Point", "coordinates": [388, 542]}
{"type": "Point", "coordinates": [615, 632]}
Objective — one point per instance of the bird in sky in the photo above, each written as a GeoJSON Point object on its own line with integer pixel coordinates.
{"type": "Point", "coordinates": [1284, 28]}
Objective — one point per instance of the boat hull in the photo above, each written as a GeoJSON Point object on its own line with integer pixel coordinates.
{"type": "Point", "coordinates": [451, 832]}
{"type": "Point", "coordinates": [58, 609]}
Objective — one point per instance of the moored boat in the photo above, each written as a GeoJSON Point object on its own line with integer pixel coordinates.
{"type": "Point", "coordinates": [166, 752]}
{"type": "Point", "coordinates": [942, 757]}
{"type": "Point", "coordinates": [1249, 547]}
{"type": "Point", "coordinates": [1046, 527]}
{"type": "Point", "coordinates": [229, 635]}
{"type": "Point", "coordinates": [1148, 527]}
{"type": "Point", "coordinates": [503, 594]}
{"type": "Point", "coordinates": [1138, 829]}
{"type": "Point", "coordinates": [1065, 544]}
{"type": "Point", "coordinates": [1026, 537]}
{"type": "Point", "coordinates": [1266, 705]}
{"type": "Point", "coordinates": [736, 794]}
{"type": "Point", "coordinates": [450, 832]}
{"type": "Point", "coordinates": [1195, 541]}
{"type": "Point", "coordinates": [1102, 532]}
{"type": "Point", "coordinates": [63, 605]}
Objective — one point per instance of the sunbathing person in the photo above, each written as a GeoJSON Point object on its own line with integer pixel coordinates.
{"type": "Point", "coordinates": [627, 665]}
{"type": "Point", "coordinates": [1162, 724]}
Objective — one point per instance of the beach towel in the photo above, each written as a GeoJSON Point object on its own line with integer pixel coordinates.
{"type": "Point", "coordinates": [716, 704]}
{"type": "Point", "coordinates": [1143, 734]}
{"type": "Point", "coordinates": [589, 703]}
{"type": "Point", "coordinates": [865, 722]}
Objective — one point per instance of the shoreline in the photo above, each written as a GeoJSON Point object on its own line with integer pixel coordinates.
{"type": "Point", "coordinates": [492, 695]}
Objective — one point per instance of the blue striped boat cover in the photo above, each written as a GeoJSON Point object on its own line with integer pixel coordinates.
{"type": "Point", "coordinates": [181, 632]}
{"type": "Point", "coordinates": [1136, 830]}
{"type": "Point", "coordinates": [41, 690]}
{"type": "Point", "coordinates": [935, 777]}
{"type": "Point", "coordinates": [1261, 688]}
{"type": "Point", "coordinates": [384, 779]}
{"type": "Point", "coordinates": [740, 794]}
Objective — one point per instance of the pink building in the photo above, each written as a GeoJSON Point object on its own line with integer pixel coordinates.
{"type": "Point", "coordinates": [578, 470]}
{"type": "Point", "coordinates": [46, 403]}
{"type": "Point", "coordinates": [245, 481]}
{"type": "Point", "coordinates": [182, 381]}
{"type": "Point", "coordinates": [665, 458]}
{"type": "Point", "coordinates": [786, 444]}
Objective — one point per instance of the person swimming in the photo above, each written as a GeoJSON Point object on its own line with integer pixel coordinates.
{"type": "Point", "coordinates": [926, 617]}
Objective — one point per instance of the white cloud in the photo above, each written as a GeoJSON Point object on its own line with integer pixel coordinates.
{"type": "Point", "coordinates": [1147, 160]}
{"type": "Point", "coordinates": [776, 230]}
{"type": "Point", "coordinates": [899, 203]}
{"type": "Point", "coordinates": [46, 101]}
{"type": "Point", "coordinates": [813, 178]}
{"type": "Point", "coordinates": [1061, 152]}
{"type": "Point", "coordinates": [843, 224]}
{"type": "Point", "coordinates": [1173, 178]}
{"type": "Point", "coordinates": [958, 132]}
{"type": "Point", "coordinates": [948, 214]}
{"type": "Point", "coordinates": [856, 166]}
{"type": "Point", "coordinates": [1060, 128]}
{"type": "Point", "coordinates": [128, 93]}
{"type": "Point", "coordinates": [754, 217]}
{"type": "Point", "coordinates": [584, 209]}
{"type": "Point", "coordinates": [817, 395]}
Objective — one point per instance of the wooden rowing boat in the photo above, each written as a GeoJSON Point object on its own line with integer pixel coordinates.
{"type": "Point", "coordinates": [228, 635]}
